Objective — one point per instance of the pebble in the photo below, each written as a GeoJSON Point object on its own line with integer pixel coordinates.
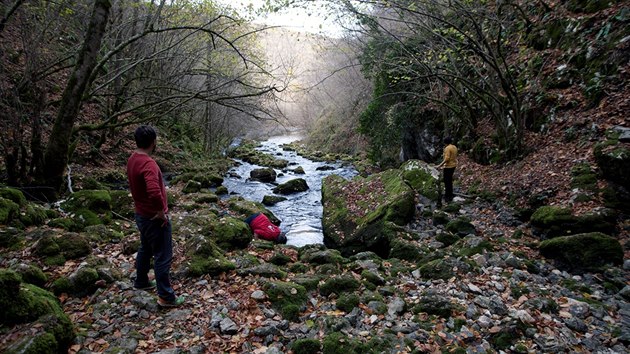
{"type": "Point", "coordinates": [258, 295]}
{"type": "Point", "coordinates": [227, 326]}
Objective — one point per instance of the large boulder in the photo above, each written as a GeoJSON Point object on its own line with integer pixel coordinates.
{"type": "Point", "coordinates": [583, 252]}
{"type": "Point", "coordinates": [51, 329]}
{"type": "Point", "coordinates": [98, 201]}
{"type": "Point", "coordinates": [205, 257]}
{"type": "Point", "coordinates": [356, 212]}
{"type": "Point", "coordinates": [265, 175]}
{"type": "Point", "coordinates": [122, 204]}
{"type": "Point", "coordinates": [231, 233]}
{"type": "Point", "coordinates": [421, 177]}
{"type": "Point", "coordinates": [552, 221]}
{"type": "Point", "coordinates": [9, 210]}
{"type": "Point", "coordinates": [296, 185]}
{"type": "Point", "coordinates": [13, 194]}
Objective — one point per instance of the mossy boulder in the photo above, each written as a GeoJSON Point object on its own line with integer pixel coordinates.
{"type": "Point", "coordinates": [97, 201]}
{"type": "Point", "coordinates": [356, 213]}
{"type": "Point", "coordinates": [205, 257]}
{"type": "Point", "coordinates": [317, 256]}
{"type": "Point", "coordinates": [33, 215]}
{"type": "Point", "coordinates": [62, 223]}
{"type": "Point", "coordinates": [583, 252]}
{"type": "Point", "coordinates": [246, 208]}
{"type": "Point", "coordinates": [281, 293]}
{"type": "Point", "coordinates": [231, 233]}
{"type": "Point", "coordinates": [83, 281]}
{"type": "Point", "coordinates": [31, 274]}
{"type": "Point", "coordinates": [407, 250]}
{"type": "Point", "coordinates": [69, 245]}
{"type": "Point", "coordinates": [265, 175]}
{"type": "Point", "coordinates": [338, 285]}
{"type": "Point", "coordinates": [52, 330]}
{"type": "Point", "coordinates": [434, 304]}
{"type": "Point", "coordinates": [270, 200]}
{"type": "Point", "coordinates": [461, 227]}
{"type": "Point", "coordinates": [248, 153]}
{"type": "Point", "coordinates": [122, 204]}
{"type": "Point", "coordinates": [9, 210]}
{"type": "Point", "coordinates": [339, 343]}
{"type": "Point", "coordinates": [447, 238]}
{"type": "Point", "coordinates": [442, 268]}
{"type": "Point", "coordinates": [309, 282]}
{"type": "Point", "coordinates": [552, 221]}
{"type": "Point", "coordinates": [421, 177]}
{"type": "Point", "coordinates": [347, 302]}
{"type": "Point", "coordinates": [265, 270]}
{"type": "Point", "coordinates": [583, 177]}
{"type": "Point", "coordinates": [204, 198]}
{"type": "Point", "coordinates": [306, 346]}
{"type": "Point", "coordinates": [299, 170]}
{"type": "Point", "coordinates": [103, 233]}
{"type": "Point", "coordinates": [440, 218]}
{"type": "Point", "coordinates": [613, 159]}
{"type": "Point", "coordinates": [191, 187]}
{"type": "Point", "coordinates": [11, 237]}
{"type": "Point", "coordinates": [471, 245]}
{"type": "Point", "coordinates": [292, 186]}
{"type": "Point", "coordinates": [13, 194]}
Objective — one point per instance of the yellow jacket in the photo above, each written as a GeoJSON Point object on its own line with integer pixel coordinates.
{"type": "Point", "coordinates": [450, 156]}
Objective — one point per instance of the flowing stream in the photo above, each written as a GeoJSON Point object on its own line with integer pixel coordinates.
{"type": "Point", "coordinates": [301, 213]}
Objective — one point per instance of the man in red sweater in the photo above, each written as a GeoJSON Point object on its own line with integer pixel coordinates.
{"type": "Point", "coordinates": [263, 228]}
{"type": "Point", "coordinates": [151, 207]}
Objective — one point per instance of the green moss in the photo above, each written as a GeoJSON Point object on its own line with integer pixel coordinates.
{"type": "Point", "coordinates": [9, 210]}
{"type": "Point", "coordinates": [371, 296]}
{"type": "Point", "coordinates": [73, 245]}
{"type": "Point", "coordinates": [33, 215]}
{"type": "Point", "coordinates": [447, 238]}
{"type": "Point", "coordinates": [9, 287]}
{"type": "Point", "coordinates": [56, 260]}
{"type": "Point", "coordinates": [298, 267]}
{"type": "Point", "coordinates": [281, 294]}
{"type": "Point", "coordinates": [306, 346]}
{"type": "Point", "coordinates": [339, 285]}
{"type": "Point", "coordinates": [97, 201]}
{"type": "Point", "coordinates": [440, 218]}
{"type": "Point", "coordinates": [62, 285]}
{"type": "Point", "coordinates": [372, 277]}
{"type": "Point", "coordinates": [84, 281]}
{"type": "Point", "coordinates": [291, 312]}
{"type": "Point", "coordinates": [461, 226]}
{"type": "Point", "coordinates": [32, 275]}
{"type": "Point", "coordinates": [13, 194]}
{"type": "Point", "coordinates": [480, 248]}
{"type": "Point", "coordinates": [417, 174]}
{"type": "Point", "coordinates": [198, 266]}
{"type": "Point", "coordinates": [437, 269]}
{"type": "Point", "coordinates": [590, 251]}
{"type": "Point", "coordinates": [339, 343]}
{"type": "Point", "coordinates": [47, 246]}
{"type": "Point", "coordinates": [231, 233]}
{"type": "Point", "coordinates": [296, 185]}
{"type": "Point", "coordinates": [309, 282]}
{"type": "Point", "coordinates": [280, 259]}
{"type": "Point", "coordinates": [432, 305]}
{"type": "Point", "coordinates": [122, 204]}
{"type": "Point", "coordinates": [63, 223]}
{"type": "Point", "coordinates": [11, 238]}
{"type": "Point", "coordinates": [347, 302]}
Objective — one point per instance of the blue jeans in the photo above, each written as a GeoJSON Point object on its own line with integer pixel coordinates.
{"type": "Point", "coordinates": [155, 241]}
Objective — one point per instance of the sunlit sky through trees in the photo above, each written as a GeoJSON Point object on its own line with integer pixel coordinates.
{"type": "Point", "coordinates": [309, 19]}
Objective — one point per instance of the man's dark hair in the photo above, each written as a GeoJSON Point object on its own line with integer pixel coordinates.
{"type": "Point", "coordinates": [448, 140]}
{"type": "Point", "coordinates": [145, 135]}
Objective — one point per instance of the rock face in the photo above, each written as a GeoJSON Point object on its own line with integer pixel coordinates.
{"type": "Point", "coordinates": [589, 251]}
{"type": "Point", "coordinates": [613, 158]}
{"type": "Point", "coordinates": [421, 177]}
{"type": "Point", "coordinates": [356, 212]}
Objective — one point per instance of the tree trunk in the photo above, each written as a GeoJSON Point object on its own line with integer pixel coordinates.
{"type": "Point", "coordinates": [56, 157]}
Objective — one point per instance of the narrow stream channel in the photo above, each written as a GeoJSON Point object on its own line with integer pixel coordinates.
{"type": "Point", "coordinates": [301, 213]}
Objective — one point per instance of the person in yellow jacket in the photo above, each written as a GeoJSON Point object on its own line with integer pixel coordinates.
{"type": "Point", "coordinates": [449, 164]}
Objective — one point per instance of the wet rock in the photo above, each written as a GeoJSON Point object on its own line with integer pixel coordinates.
{"type": "Point", "coordinates": [292, 186]}
{"type": "Point", "coordinates": [265, 175]}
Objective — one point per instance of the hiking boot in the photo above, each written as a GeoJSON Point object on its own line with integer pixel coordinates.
{"type": "Point", "coordinates": [152, 284]}
{"type": "Point", "coordinates": [175, 303]}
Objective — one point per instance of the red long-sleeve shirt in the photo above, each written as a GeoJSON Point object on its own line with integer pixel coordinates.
{"type": "Point", "coordinates": [263, 227]}
{"type": "Point", "coordinates": [146, 185]}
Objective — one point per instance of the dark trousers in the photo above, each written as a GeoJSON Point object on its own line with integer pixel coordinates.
{"type": "Point", "coordinates": [448, 184]}
{"type": "Point", "coordinates": [155, 241]}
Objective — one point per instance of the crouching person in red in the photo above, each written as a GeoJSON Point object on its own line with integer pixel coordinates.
{"type": "Point", "coordinates": [263, 228]}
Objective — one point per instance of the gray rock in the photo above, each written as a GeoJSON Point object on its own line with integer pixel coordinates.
{"type": "Point", "coordinates": [494, 304]}
{"type": "Point", "coordinates": [274, 350]}
{"type": "Point", "coordinates": [258, 295]}
{"type": "Point", "coordinates": [624, 134]}
{"type": "Point", "coordinates": [227, 326]}
{"type": "Point", "coordinates": [266, 330]}
{"type": "Point", "coordinates": [396, 306]}
{"type": "Point", "coordinates": [471, 311]}
{"type": "Point", "coordinates": [170, 351]}
{"type": "Point", "coordinates": [485, 321]}
{"type": "Point", "coordinates": [143, 300]}
{"type": "Point", "coordinates": [626, 264]}
{"type": "Point", "coordinates": [576, 324]}
{"type": "Point", "coordinates": [177, 315]}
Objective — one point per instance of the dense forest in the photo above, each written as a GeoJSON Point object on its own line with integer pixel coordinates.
{"type": "Point", "coordinates": [532, 256]}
